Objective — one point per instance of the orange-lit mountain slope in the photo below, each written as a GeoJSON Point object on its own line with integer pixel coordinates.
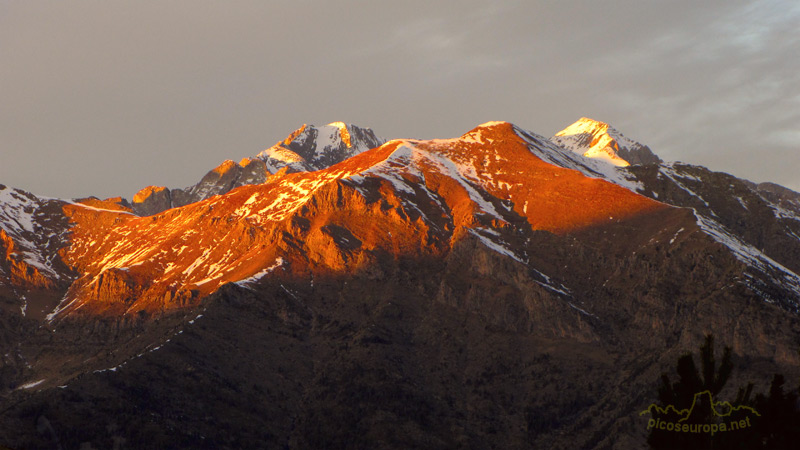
{"type": "Point", "coordinates": [406, 197]}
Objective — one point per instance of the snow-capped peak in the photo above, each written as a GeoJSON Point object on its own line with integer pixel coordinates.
{"type": "Point", "coordinates": [315, 147]}
{"type": "Point", "coordinates": [599, 140]}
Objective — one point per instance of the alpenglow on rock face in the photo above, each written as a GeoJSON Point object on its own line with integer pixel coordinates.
{"type": "Point", "coordinates": [599, 140]}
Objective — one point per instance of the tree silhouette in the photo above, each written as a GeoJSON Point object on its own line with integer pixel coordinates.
{"type": "Point", "coordinates": [775, 426]}
{"type": "Point", "coordinates": [683, 395]}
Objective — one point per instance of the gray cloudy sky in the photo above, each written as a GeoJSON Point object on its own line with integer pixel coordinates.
{"type": "Point", "coordinates": [105, 97]}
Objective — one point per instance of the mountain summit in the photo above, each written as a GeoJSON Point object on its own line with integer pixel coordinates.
{"type": "Point", "coordinates": [312, 147]}
{"type": "Point", "coordinates": [599, 140]}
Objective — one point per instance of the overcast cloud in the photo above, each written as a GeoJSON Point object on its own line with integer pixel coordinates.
{"type": "Point", "coordinates": [104, 97]}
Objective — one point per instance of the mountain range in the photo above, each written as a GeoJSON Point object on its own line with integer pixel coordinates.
{"type": "Point", "coordinates": [340, 290]}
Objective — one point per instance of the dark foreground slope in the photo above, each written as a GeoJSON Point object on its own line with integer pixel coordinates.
{"type": "Point", "coordinates": [463, 351]}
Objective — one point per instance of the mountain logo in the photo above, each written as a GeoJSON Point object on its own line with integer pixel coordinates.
{"type": "Point", "coordinates": [704, 416]}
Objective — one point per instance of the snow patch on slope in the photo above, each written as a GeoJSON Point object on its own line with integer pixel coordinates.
{"type": "Point", "coordinates": [499, 248]}
{"type": "Point", "coordinates": [258, 276]}
{"type": "Point", "coordinates": [32, 384]}
{"type": "Point", "coordinates": [466, 176]}
{"type": "Point", "coordinates": [671, 172]}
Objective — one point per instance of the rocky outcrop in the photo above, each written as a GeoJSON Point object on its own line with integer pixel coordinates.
{"type": "Point", "coordinates": [116, 286]}
{"type": "Point", "coordinates": [152, 200]}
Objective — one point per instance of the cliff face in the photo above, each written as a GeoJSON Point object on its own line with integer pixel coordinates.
{"type": "Point", "coordinates": [19, 272]}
